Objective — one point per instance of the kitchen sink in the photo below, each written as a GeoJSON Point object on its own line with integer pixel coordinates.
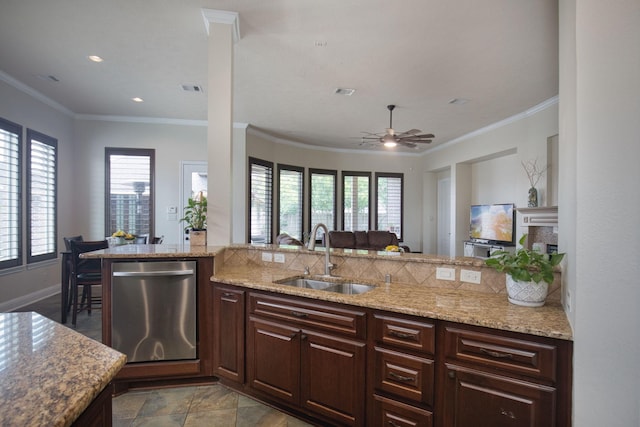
{"type": "Point", "coordinates": [347, 288]}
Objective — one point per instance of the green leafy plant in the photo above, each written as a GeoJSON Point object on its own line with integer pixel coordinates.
{"type": "Point", "coordinates": [195, 213]}
{"type": "Point", "coordinates": [525, 265]}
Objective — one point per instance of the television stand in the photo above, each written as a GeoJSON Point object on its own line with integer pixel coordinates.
{"type": "Point", "coordinates": [484, 250]}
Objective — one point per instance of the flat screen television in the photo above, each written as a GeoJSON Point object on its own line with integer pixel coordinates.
{"type": "Point", "coordinates": [493, 223]}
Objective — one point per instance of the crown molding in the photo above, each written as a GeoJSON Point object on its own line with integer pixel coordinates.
{"type": "Point", "coordinates": [527, 113]}
{"type": "Point", "coordinates": [214, 16]}
{"type": "Point", "coordinates": [35, 94]}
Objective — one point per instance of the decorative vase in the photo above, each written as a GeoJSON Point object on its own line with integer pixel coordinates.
{"type": "Point", "coordinates": [528, 294]}
{"type": "Point", "coordinates": [533, 197]}
{"type": "Point", "coordinates": [198, 237]}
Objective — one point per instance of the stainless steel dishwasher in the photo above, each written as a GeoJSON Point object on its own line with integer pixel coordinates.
{"type": "Point", "coordinates": [153, 315]}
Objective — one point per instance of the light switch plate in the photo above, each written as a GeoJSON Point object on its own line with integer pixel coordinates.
{"type": "Point", "coordinates": [278, 258]}
{"type": "Point", "coordinates": [445, 273]}
{"type": "Point", "coordinates": [267, 256]}
{"type": "Point", "coordinates": [470, 276]}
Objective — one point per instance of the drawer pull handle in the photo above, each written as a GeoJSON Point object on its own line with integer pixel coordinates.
{"type": "Point", "coordinates": [402, 335]}
{"type": "Point", "coordinates": [508, 414]}
{"type": "Point", "coordinates": [298, 314]}
{"type": "Point", "coordinates": [227, 294]}
{"type": "Point", "coordinates": [496, 354]}
{"type": "Point", "coordinates": [401, 377]}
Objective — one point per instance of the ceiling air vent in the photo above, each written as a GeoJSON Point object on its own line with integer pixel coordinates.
{"type": "Point", "coordinates": [344, 91]}
{"type": "Point", "coordinates": [189, 87]}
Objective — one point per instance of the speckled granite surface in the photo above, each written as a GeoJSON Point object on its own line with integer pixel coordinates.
{"type": "Point", "coordinates": [155, 251]}
{"type": "Point", "coordinates": [414, 289]}
{"type": "Point", "coordinates": [464, 306]}
{"type": "Point", "coordinates": [49, 374]}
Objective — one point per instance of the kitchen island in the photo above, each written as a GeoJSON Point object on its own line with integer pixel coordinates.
{"type": "Point", "coordinates": [50, 374]}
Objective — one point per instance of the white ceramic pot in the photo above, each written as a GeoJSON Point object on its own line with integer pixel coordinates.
{"type": "Point", "coordinates": [198, 238]}
{"type": "Point", "coordinates": [528, 294]}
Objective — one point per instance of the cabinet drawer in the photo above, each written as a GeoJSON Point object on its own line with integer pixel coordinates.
{"type": "Point", "coordinates": [404, 375]}
{"type": "Point", "coordinates": [391, 413]}
{"type": "Point", "coordinates": [404, 333]}
{"type": "Point", "coordinates": [519, 356]}
{"type": "Point", "coordinates": [320, 316]}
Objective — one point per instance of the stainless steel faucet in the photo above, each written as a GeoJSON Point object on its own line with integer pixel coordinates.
{"type": "Point", "coordinates": [312, 245]}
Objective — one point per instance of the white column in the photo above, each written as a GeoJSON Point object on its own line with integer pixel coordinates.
{"type": "Point", "coordinates": [222, 28]}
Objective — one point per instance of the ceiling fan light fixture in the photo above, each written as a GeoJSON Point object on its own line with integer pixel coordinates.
{"type": "Point", "coordinates": [389, 141]}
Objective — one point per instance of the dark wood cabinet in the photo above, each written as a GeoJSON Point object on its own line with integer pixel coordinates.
{"type": "Point", "coordinates": [307, 354]}
{"type": "Point", "coordinates": [498, 378]}
{"type": "Point", "coordinates": [401, 370]}
{"type": "Point", "coordinates": [228, 333]}
{"type": "Point", "coordinates": [98, 413]}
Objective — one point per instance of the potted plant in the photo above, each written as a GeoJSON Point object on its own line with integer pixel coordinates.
{"type": "Point", "coordinates": [529, 273]}
{"type": "Point", "coordinates": [195, 215]}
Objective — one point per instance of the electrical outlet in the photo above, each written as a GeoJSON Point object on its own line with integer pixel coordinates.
{"type": "Point", "coordinates": [470, 276]}
{"type": "Point", "coordinates": [267, 256]}
{"type": "Point", "coordinates": [278, 258]}
{"type": "Point", "coordinates": [445, 273]}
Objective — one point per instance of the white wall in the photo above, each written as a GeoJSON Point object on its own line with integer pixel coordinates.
{"type": "Point", "coordinates": [600, 81]}
{"type": "Point", "coordinates": [39, 279]}
{"type": "Point", "coordinates": [172, 144]}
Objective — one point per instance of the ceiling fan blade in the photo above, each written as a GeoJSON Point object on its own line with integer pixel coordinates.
{"type": "Point", "coordinates": [406, 143]}
{"type": "Point", "coordinates": [424, 135]}
{"type": "Point", "coordinates": [410, 132]}
{"type": "Point", "coordinates": [413, 141]}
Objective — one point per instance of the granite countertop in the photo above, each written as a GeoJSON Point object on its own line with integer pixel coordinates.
{"type": "Point", "coordinates": [155, 251]}
{"type": "Point", "coordinates": [463, 306]}
{"type": "Point", "coordinates": [49, 374]}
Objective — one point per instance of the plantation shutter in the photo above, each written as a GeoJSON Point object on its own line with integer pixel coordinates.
{"type": "Point", "coordinates": [356, 201]}
{"type": "Point", "coordinates": [290, 197]}
{"type": "Point", "coordinates": [10, 206]}
{"type": "Point", "coordinates": [389, 203]}
{"type": "Point", "coordinates": [42, 196]}
{"type": "Point", "coordinates": [323, 199]}
{"type": "Point", "coordinates": [260, 203]}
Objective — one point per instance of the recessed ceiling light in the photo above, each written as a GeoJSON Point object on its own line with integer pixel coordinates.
{"type": "Point", "coordinates": [137, 99]}
{"type": "Point", "coordinates": [192, 87]}
{"type": "Point", "coordinates": [458, 101]}
{"type": "Point", "coordinates": [95, 58]}
{"type": "Point", "coordinates": [344, 91]}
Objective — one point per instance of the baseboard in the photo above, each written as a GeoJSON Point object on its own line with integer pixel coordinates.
{"type": "Point", "coordinates": [24, 300]}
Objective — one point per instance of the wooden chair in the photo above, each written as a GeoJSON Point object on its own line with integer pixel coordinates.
{"type": "Point", "coordinates": [85, 273]}
{"type": "Point", "coordinates": [66, 278]}
{"type": "Point", "coordinates": [157, 240]}
{"type": "Point", "coordinates": [142, 239]}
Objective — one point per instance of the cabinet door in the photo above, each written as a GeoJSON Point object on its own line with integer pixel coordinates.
{"type": "Point", "coordinates": [228, 332]}
{"type": "Point", "coordinates": [273, 359]}
{"type": "Point", "coordinates": [476, 399]}
{"type": "Point", "coordinates": [391, 413]}
{"type": "Point", "coordinates": [333, 377]}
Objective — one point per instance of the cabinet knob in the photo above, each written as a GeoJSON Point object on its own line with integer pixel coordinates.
{"type": "Point", "coordinates": [451, 374]}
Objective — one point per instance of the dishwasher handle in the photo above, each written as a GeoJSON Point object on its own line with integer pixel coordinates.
{"type": "Point", "coordinates": [163, 273]}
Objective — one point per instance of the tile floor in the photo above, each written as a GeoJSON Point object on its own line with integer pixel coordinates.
{"type": "Point", "coordinates": [210, 406]}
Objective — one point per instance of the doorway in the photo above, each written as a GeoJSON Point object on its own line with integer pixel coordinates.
{"type": "Point", "coordinates": [194, 180]}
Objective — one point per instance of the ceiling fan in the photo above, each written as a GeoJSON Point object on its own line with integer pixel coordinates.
{"type": "Point", "coordinates": [391, 139]}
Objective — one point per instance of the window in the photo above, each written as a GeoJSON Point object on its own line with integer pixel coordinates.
{"type": "Point", "coordinates": [389, 191]}
{"type": "Point", "coordinates": [290, 199]}
{"type": "Point", "coordinates": [130, 191]}
{"type": "Point", "coordinates": [10, 191]}
{"type": "Point", "coordinates": [322, 199]}
{"type": "Point", "coordinates": [356, 199]}
{"type": "Point", "coordinates": [260, 200]}
{"type": "Point", "coordinates": [42, 188]}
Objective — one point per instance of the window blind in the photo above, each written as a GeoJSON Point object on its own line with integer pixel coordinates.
{"type": "Point", "coordinates": [389, 203]}
{"type": "Point", "coordinates": [356, 201]}
{"type": "Point", "coordinates": [322, 189]}
{"type": "Point", "coordinates": [290, 189]}
{"type": "Point", "coordinates": [10, 206]}
{"type": "Point", "coordinates": [130, 191]}
{"type": "Point", "coordinates": [260, 203]}
{"type": "Point", "coordinates": [42, 195]}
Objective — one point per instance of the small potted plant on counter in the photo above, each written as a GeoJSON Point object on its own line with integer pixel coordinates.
{"type": "Point", "coordinates": [529, 273]}
{"type": "Point", "coordinates": [195, 216]}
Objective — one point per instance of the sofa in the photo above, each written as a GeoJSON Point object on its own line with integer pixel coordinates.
{"type": "Point", "coordinates": [373, 240]}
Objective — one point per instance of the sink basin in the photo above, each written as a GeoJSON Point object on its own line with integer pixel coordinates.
{"type": "Point", "coordinates": [350, 288]}
{"type": "Point", "coordinates": [301, 282]}
{"type": "Point", "coordinates": [347, 288]}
